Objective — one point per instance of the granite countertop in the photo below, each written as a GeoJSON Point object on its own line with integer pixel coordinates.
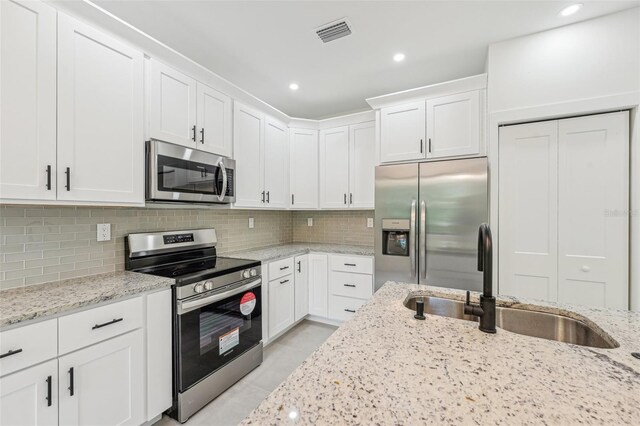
{"type": "Point", "coordinates": [384, 367]}
{"type": "Point", "coordinates": [268, 254]}
{"type": "Point", "coordinates": [38, 301]}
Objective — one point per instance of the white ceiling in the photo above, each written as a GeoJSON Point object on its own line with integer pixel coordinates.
{"type": "Point", "coordinates": [262, 46]}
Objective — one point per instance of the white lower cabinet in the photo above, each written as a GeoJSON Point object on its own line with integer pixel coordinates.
{"type": "Point", "coordinates": [343, 308]}
{"type": "Point", "coordinates": [318, 281]}
{"type": "Point", "coordinates": [30, 397]}
{"type": "Point", "coordinates": [301, 287]}
{"type": "Point", "coordinates": [281, 304]}
{"type": "Point", "coordinates": [103, 384]}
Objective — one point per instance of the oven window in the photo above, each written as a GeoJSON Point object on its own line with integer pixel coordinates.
{"type": "Point", "coordinates": [216, 334]}
{"type": "Point", "coordinates": [178, 175]}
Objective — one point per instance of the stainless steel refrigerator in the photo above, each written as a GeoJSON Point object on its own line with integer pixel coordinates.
{"type": "Point", "coordinates": [426, 222]}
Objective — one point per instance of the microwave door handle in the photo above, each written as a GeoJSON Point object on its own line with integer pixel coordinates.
{"type": "Point", "coordinates": [423, 241]}
{"type": "Point", "coordinates": [412, 239]}
{"type": "Point", "coordinates": [223, 192]}
{"type": "Point", "coordinates": [184, 307]}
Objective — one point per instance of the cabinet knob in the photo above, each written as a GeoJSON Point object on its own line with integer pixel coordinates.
{"type": "Point", "coordinates": [585, 268]}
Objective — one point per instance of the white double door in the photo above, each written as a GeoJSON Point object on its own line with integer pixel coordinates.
{"type": "Point", "coordinates": [563, 210]}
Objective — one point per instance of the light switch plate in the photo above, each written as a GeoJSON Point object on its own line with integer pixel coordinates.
{"type": "Point", "coordinates": [251, 223]}
{"type": "Point", "coordinates": [309, 221]}
{"type": "Point", "coordinates": [369, 222]}
{"type": "Point", "coordinates": [104, 232]}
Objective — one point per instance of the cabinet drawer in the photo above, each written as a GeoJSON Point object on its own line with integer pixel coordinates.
{"type": "Point", "coordinates": [280, 268]}
{"type": "Point", "coordinates": [358, 264]}
{"type": "Point", "coordinates": [343, 308]}
{"type": "Point", "coordinates": [351, 285]}
{"type": "Point", "coordinates": [28, 345]}
{"type": "Point", "coordinates": [94, 325]}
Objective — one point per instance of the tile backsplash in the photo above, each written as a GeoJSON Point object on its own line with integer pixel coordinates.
{"type": "Point", "coordinates": [41, 244]}
{"type": "Point", "coordinates": [338, 227]}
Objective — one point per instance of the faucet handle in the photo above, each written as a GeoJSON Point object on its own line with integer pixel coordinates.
{"type": "Point", "coordinates": [468, 302]}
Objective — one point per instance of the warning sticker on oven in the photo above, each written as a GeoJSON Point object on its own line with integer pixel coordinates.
{"type": "Point", "coordinates": [247, 303]}
{"type": "Point", "coordinates": [229, 340]}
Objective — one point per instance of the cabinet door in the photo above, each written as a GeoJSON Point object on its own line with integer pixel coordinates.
{"type": "Point", "coordinates": [362, 163]}
{"type": "Point", "coordinates": [301, 286]}
{"type": "Point", "coordinates": [248, 142]}
{"type": "Point", "coordinates": [159, 351]}
{"type": "Point", "coordinates": [30, 397]}
{"type": "Point", "coordinates": [528, 192]}
{"type": "Point", "coordinates": [318, 284]}
{"type": "Point", "coordinates": [402, 132]}
{"type": "Point", "coordinates": [453, 125]}
{"type": "Point", "coordinates": [303, 147]}
{"type": "Point", "coordinates": [276, 164]}
{"type": "Point", "coordinates": [281, 304]}
{"type": "Point", "coordinates": [214, 121]}
{"type": "Point", "coordinates": [100, 127]}
{"type": "Point", "coordinates": [28, 101]}
{"type": "Point", "coordinates": [593, 219]}
{"type": "Point", "coordinates": [103, 384]}
{"type": "Point", "coordinates": [334, 168]}
{"type": "Point", "coordinates": [172, 106]}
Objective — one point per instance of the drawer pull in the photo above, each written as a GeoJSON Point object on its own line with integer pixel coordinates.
{"type": "Point", "coordinates": [350, 310]}
{"type": "Point", "coordinates": [70, 382]}
{"type": "Point", "coordinates": [107, 323]}
{"type": "Point", "coordinates": [284, 281]}
{"type": "Point", "coordinates": [284, 267]}
{"type": "Point", "coordinates": [48, 391]}
{"type": "Point", "coordinates": [11, 352]}
{"type": "Point", "coordinates": [349, 285]}
{"type": "Point", "coordinates": [349, 264]}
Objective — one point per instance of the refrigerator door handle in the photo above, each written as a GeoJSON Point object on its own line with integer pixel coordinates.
{"type": "Point", "coordinates": [412, 239]}
{"type": "Point", "coordinates": [423, 241]}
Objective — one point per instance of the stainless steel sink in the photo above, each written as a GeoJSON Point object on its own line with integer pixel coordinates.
{"type": "Point", "coordinates": [529, 323]}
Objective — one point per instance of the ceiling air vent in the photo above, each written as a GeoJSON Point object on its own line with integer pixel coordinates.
{"type": "Point", "coordinates": [334, 30]}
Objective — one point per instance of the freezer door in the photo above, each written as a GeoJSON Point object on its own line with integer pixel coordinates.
{"type": "Point", "coordinates": [454, 196]}
{"type": "Point", "coordinates": [396, 217]}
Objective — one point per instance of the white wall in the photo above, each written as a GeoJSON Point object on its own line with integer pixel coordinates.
{"type": "Point", "coordinates": [592, 66]}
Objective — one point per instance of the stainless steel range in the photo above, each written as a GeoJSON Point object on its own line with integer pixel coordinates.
{"type": "Point", "coordinates": [217, 312]}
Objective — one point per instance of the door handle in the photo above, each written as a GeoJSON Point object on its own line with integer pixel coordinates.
{"type": "Point", "coordinates": [11, 352]}
{"type": "Point", "coordinates": [202, 135]}
{"type": "Point", "coordinates": [349, 285]}
{"type": "Point", "coordinates": [284, 267]}
{"type": "Point", "coordinates": [412, 239]}
{"type": "Point", "coordinates": [193, 138]}
{"type": "Point", "coordinates": [115, 320]}
{"type": "Point", "coordinates": [421, 146]}
{"type": "Point", "coordinates": [350, 198]}
{"type": "Point", "coordinates": [262, 197]}
{"type": "Point", "coordinates": [268, 198]}
{"type": "Point", "coordinates": [345, 198]}
{"type": "Point", "coordinates": [48, 391]}
{"type": "Point", "coordinates": [423, 240]}
{"type": "Point", "coordinates": [429, 145]}
{"type": "Point", "coordinates": [49, 178]}
{"type": "Point", "coordinates": [350, 310]}
{"type": "Point", "coordinates": [299, 266]}
{"type": "Point", "coordinates": [284, 281]}
{"type": "Point", "coordinates": [292, 202]}
{"type": "Point", "coordinates": [68, 173]}
{"type": "Point", "coordinates": [71, 387]}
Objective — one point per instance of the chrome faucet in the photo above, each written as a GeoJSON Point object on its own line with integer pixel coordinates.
{"type": "Point", "coordinates": [486, 310]}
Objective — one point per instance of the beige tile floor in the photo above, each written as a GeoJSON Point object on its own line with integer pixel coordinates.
{"type": "Point", "coordinates": [280, 359]}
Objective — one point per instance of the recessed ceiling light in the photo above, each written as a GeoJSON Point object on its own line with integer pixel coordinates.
{"type": "Point", "coordinates": [570, 10]}
{"type": "Point", "coordinates": [398, 57]}
{"type": "Point", "coordinates": [294, 86]}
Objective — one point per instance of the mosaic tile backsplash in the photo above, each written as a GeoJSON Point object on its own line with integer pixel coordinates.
{"type": "Point", "coordinates": [42, 244]}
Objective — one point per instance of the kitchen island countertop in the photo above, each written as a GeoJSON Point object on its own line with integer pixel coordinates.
{"type": "Point", "coordinates": [384, 367]}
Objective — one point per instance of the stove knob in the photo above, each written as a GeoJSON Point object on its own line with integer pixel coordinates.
{"type": "Point", "coordinates": [208, 285]}
{"type": "Point", "coordinates": [246, 274]}
{"type": "Point", "coordinates": [253, 272]}
{"type": "Point", "coordinates": [198, 288]}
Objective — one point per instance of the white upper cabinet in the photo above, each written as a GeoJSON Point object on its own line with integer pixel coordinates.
{"type": "Point", "coordinates": [334, 167]}
{"type": "Point", "coordinates": [213, 121]}
{"type": "Point", "coordinates": [303, 148]}
{"type": "Point", "coordinates": [172, 106]}
{"type": "Point", "coordinates": [248, 142]}
{"type": "Point", "coordinates": [28, 101]}
{"type": "Point", "coordinates": [453, 125]}
{"type": "Point", "coordinates": [362, 162]}
{"type": "Point", "coordinates": [276, 164]}
{"type": "Point", "coordinates": [402, 132]}
{"type": "Point", "coordinates": [100, 110]}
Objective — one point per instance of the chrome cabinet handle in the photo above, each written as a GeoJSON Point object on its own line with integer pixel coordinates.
{"type": "Point", "coordinates": [412, 239]}
{"type": "Point", "coordinates": [423, 240]}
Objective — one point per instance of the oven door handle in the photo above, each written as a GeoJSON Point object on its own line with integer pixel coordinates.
{"type": "Point", "coordinates": [188, 306]}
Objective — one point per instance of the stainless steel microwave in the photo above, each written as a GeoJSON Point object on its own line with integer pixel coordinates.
{"type": "Point", "coordinates": [179, 174]}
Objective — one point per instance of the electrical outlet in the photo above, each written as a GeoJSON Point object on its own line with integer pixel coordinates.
{"type": "Point", "coordinates": [251, 223]}
{"type": "Point", "coordinates": [309, 221]}
{"type": "Point", "coordinates": [104, 231]}
{"type": "Point", "coordinates": [369, 222]}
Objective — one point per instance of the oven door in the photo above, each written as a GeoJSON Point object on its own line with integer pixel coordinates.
{"type": "Point", "coordinates": [177, 173]}
{"type": "Point", "coordinates": [212, 330]}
